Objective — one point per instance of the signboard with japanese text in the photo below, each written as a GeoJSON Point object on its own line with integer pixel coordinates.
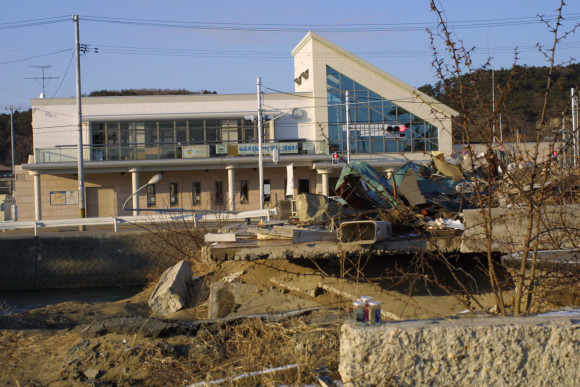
{"type": "Point", "coordinates": [193, 151]}
{"type": "Point", "coordinates": [62, 198]}
{"type": "Point", "coordinates": [252, 149]}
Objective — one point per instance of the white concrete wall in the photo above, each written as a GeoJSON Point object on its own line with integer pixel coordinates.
{"type": "Point", "coordinates": [55, 120]}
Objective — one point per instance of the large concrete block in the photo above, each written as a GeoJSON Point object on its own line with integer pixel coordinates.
{"type": "Point", "coordinates": [466, 352]}
{"type": "Point", "coordinates": [559, 228]}
{"type": "Point", "coordinates": [173, 290]}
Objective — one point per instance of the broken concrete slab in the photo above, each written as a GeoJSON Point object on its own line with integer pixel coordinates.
{"type": "Point", "coordinates": [558, 228]}
{"type": "Point", "coordinates": [219, 237]}
{"type": "Point", "coordinates": [226, 297]}
{"type": "Point", "coordinates": [302, 235]}
{"type": "Point", "coordinates": [173, 290]}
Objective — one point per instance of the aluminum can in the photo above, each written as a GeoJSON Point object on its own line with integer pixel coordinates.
{"type": "Point", "coordinates": [374, 312]}
{"type": "Point", "coordinates": [358, 308]}
{"type": "Point", "coordinates": [366, 311]}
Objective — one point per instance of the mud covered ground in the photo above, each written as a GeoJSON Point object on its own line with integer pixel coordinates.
{"type": "Point", "coordinates": [290, 318]}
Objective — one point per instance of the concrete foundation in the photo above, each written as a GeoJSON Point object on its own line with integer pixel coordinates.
{"type": "Point", "coordinates": [463, 352]}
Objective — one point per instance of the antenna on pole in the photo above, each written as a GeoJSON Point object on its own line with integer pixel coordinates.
{"type": "Point", "coordinates": [44, 78]}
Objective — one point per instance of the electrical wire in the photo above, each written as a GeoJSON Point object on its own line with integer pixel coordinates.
{"type": "Point", "coordinates": [34, 57]}
{"type": "Point", "coordinates": [342, 27]}
{"type": "Point", "coordinates": [34, 22]}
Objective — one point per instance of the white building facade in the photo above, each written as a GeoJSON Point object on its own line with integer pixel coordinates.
{"type": "Point", "coordinates": [206, 145]}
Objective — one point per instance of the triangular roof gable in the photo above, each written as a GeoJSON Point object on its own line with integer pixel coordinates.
{"type": "Point", "coordinates": [433, 103]}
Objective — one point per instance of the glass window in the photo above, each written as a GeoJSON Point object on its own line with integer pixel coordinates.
{"type": "Point", "coordinates": [166, 132]}
{"type": "Point", "coordinates": [196, 132]}
{"type": "Point", "coordinates": [112, 132]}
{"type": "Point", "coordinates": [196, 193]}
{"type": "Point", "coordinates": [243, 192]}
{"type": "Point", "coordinates": [173, 193]}
{"type": "Point", "coordinates": [212, 130]}
{"type": "Point", "coordinates": [303, 186]}
{"type": "Point", "coordinates": [181, 131]}
{"type": "Point", "coordinates": [219, 193]}
{"type": "Point", "coordinates": [368, 108]}
{"type": "Point", "coordinates": [150, 195]}
{"type": "Point", "coordinates": [332, 79]}
{"type": "Point", "coordinates": [151, 136]}
{"type": "Point", "coordinates": [249, 131]}
{"type": "Point", "coordinates": [266, 191]}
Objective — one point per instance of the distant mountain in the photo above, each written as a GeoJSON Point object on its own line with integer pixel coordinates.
{"type": "Point", "coordinates": [22, 137]}
{"type": "Point", "coordinates": [130, 92]}
{"type": "Point", "coordinates": [520, 92]}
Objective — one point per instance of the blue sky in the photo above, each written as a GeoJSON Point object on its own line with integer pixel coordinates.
{"type": "Point", "coordinates": [229, 60]}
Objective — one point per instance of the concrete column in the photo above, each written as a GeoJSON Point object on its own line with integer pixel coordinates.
{"type": "Point", "coordinates": [135, 187]}
{"type": "Point", "coordinates": [231, 188]}
{"type": "Point", "coordinates": [324, 175]}
{"type": "Point", "coordinates": [37, 201]}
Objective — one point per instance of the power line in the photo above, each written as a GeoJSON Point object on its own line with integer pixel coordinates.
{"type": "Point", "coordinates": [342, 27]}
{"type": "Point", "coordinates": [34, 22]}
{"type": "Point", "coordinates": [34, 57]}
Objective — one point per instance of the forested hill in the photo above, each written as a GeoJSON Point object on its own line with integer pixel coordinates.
{"type": "Point", "coordinates": [520, 92]}
{"type": "Point", "coordinates": [22, 137]}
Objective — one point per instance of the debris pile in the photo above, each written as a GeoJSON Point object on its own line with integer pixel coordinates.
{"type": "Point", "coordinates": [416, 199]}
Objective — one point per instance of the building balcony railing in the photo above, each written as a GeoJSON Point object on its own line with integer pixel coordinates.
{"type": "Point", "coordinates": [142, 151]}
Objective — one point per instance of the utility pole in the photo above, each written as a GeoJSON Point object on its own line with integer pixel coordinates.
{"type": "Point", "coordinates": [81, 178]}
{"type": "Point", "coordinates": [43, 78]}
{"type": "Point", "coordinates": [575, 144]}
{"type": "Point", "coordinates": [347, 117]}
{"type": "Point", "coordinates": [260, 154]}
{"type": "Point", "coordinates": [493, 106]}
{"type": "Point", "coordinates": [12, 146]}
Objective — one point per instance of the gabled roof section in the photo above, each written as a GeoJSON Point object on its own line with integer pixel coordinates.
{"type": "Point", "coordinates": [312, 36]}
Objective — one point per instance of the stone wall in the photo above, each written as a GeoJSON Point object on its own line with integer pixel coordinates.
{"type": "Point", "coordinates": [462, 352]}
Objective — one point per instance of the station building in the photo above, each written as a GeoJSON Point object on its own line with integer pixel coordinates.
{"type": "Point", "coordinates": [206, 145]}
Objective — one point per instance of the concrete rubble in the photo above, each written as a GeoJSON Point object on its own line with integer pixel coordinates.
{"type": "Point", "coordinates": [431, 207]}
{"type": "Point", "coordinates": [462, 352]}
{"type": "Point", "coordinates": [173, 291]}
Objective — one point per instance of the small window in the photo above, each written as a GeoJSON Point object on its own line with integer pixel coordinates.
{"type": "Point", "coordinates": [219, 192]}
{"type": "Point", "coordinates": [196, 193]}
{"type": "Point", "coordinates": [173, 193]}
{"type": "Point", "coordinates": [303, 186]}
{"type": "Point", "coordinates": [150, 195]}
{"type": "Point", "coordinates": [244, 192]}
{"type": "Point", "coordinates": [266, 191]}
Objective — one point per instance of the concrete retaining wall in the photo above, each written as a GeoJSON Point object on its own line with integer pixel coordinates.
{"type": "Point", "coordinates": [102, 259]}
{"type": "Point", "coordinates": [560, 228]}
{"type": "Point", "coordinates": [530, 351]}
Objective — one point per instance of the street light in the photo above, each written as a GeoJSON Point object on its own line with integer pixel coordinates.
{"type": "Point", "coordinates": [154, 180]}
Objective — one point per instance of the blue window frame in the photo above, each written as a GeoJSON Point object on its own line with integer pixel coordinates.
{"type": "Point", "coordinates": [370, 115]}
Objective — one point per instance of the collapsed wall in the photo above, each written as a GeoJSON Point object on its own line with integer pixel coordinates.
{"type": "Point", "coordinates": [470, 351]}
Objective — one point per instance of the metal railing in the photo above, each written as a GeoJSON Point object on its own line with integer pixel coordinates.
{"type": "Point", "coordinates": [143, 151]}
{"type": "Point", "coordinates": [115, 222]}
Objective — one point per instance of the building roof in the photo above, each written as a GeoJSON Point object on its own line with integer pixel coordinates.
{"type": "Point", "coordinates": [419, 94]}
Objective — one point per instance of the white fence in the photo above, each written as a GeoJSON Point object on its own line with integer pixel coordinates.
{"type": "Point", "coordinates": [164, 217]}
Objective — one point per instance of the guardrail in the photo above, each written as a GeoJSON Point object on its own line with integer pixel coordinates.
{"type": "Point", "coordinates": [161, 217]}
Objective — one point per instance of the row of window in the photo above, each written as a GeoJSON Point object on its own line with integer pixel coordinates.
{"type": "Point", "coordinates": [153, 133]}
{"type": "Point", "coordinates": [218, 193]}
